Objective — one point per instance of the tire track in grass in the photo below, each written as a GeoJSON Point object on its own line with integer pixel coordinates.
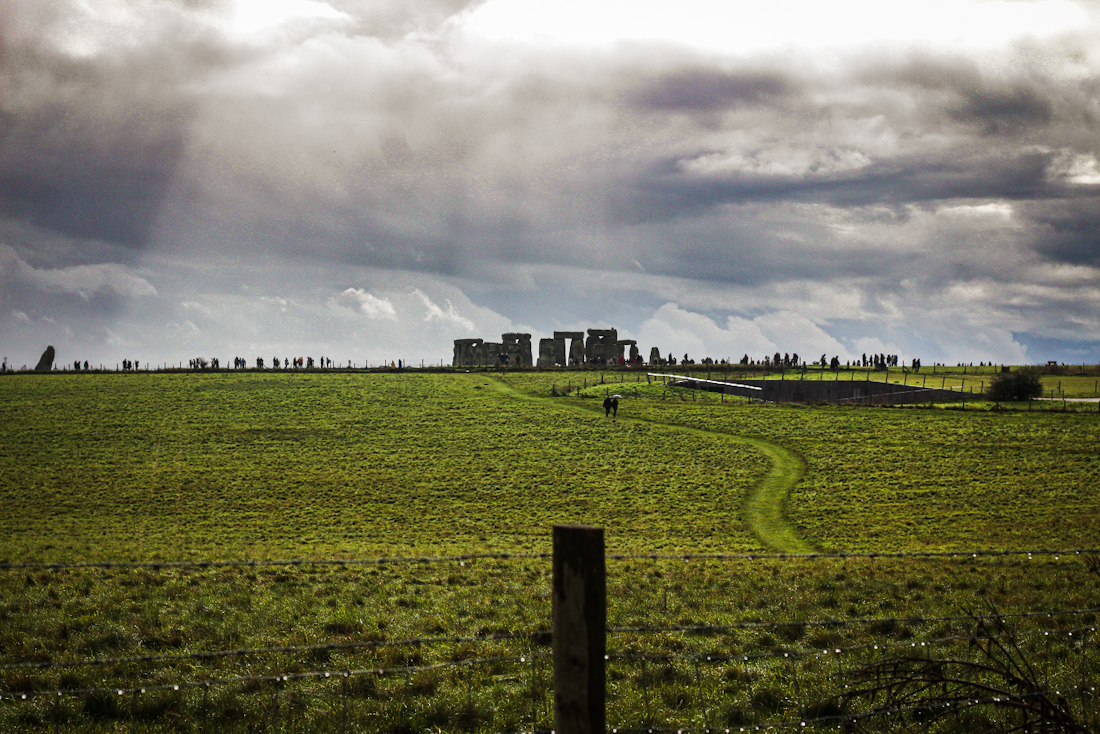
{"type": "Point", "coordinates": [765, 505]}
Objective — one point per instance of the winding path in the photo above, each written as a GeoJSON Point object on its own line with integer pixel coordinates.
{"type": "Point", "coordinates": [764, 506]}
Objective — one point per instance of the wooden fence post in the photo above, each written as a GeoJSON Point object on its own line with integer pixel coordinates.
{"type": "Point", "coordinates": [579, 630]}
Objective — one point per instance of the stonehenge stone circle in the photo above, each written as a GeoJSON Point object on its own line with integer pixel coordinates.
{"type": "Point", "coordinates": [478, 352]}
{"type": "Point", "coordinates": [564, 349]}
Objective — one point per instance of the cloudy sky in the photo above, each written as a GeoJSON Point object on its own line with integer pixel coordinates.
{"type": "Point", "coordinates": [371, 179]}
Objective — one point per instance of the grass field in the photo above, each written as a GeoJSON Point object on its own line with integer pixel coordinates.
{"type": "Point", "coordinates": [904, 478]}
{"type": "Point", "coordinates": [232, 465]}
{"type": "Point", "coordinates": [163, 467]}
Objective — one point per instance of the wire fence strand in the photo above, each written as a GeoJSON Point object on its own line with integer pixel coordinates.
{"type": "Point", "coordinates": [171, 565]}
{"type": "Point", "coordinates": [330, 647]}
{"type": "Point", "coordinates": [961, 554]}
{"type": "Point", "coordinates": [470, 557]}
{"type": "Point", "coordinates": [852, 644]}
{"type": "Point", "coordinates": [715, 657]}
{"type": "Point", "coordinates": [704, 629]}
{"type": "Point", "coordinates": [854, 716]}
{"type": "Point", "coordinates": [272, 678]}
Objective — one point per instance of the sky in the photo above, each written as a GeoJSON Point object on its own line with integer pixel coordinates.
{"type": "Point", "coordinates": [368, 180]}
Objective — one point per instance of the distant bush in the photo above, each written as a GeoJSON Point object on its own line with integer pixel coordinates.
{"type": "Point", "coordinates": [1019, 385]}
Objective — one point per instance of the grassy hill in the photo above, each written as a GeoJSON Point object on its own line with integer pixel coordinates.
{"type": "Point", "coordinates": [202, 467]}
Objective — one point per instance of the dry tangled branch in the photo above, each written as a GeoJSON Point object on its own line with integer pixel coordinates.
{"type": "Point", "coordinates": [997, 680]}
{"type": "Point", "coordinates": [1092, 561]}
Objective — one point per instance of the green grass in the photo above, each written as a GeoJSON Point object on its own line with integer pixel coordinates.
{"type": "Point", "coordinates": [110, 614]}
{"type": "Point", "coordinates": [231, 465]}
{"type": "Point", "coordinates": [215, 466]}
{"type": "Point", "coordinates": [764, 504]}
{"type": "Point", "coordinates": [903, 478]}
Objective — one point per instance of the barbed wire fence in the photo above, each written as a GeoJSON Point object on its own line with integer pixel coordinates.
{"type": "Point", "coordinates": [1035, 667]}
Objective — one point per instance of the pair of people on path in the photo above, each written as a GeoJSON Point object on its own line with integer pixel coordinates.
{"type": "Point", "coordinates": [610, 405]}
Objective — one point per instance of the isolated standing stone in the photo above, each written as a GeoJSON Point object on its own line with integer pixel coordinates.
{"type": "Point", "coordinates": [45, 364]}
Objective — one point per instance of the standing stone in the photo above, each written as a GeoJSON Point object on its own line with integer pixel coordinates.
{"type": "Point", "coordinates": [467, 352]}
{"type": "Point", "coordinates": [601, 347]}
{"type": "Point", "coordinates": [490, 353]}
{"type": "Point", "coordinates": [546, 352]}
{"type": "Point", "coordinates": [655, 357]}
{"type": "Point", "coordinates": [620, 345]}
{"type": "Point", "coordinates": [559, 351]}
{"type": "Point", "coordinates": [45, 364]}
{"type": "Point", "coordinates": [576, 352]}
{"type": "Point", "coordinates": [576, 347]}
{"type": "Point", "coordinates": [518, 348]}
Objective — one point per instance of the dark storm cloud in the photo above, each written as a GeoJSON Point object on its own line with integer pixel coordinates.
{"type": "Point", "coordinates": [716, 252]}
{"type": "Point", "coordinates": [665, 191]}
{"type": "Point", "coordinates": [709, 89]}
{"type": "Point", "coordinates": [991, 105]}
{"type": "Point", "coordinates": [1011, 175]}
{"type": "Point", "coordinates": [930, 72]}
{"type": "Point", "coordinates": [85, 180]}
{"type": "Point", "coordinates": [327, 150]}
{"type": "Point", "coordinates": [1069, 230]}
{"type": "Point", "coordinates": [997, 112]}
{"type": "Point", "coordinates": [89, 143]}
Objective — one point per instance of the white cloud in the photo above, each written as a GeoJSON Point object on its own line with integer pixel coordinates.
{"type": "Point", "coordinates": [253, 20]}
{"type": "Point", "coordinates": [983, 344]}
{"type": "Point", "coordinates": [793, 331]}
{"type": "Point", "coordinates": [366, 303]}
{"type": "Point", "coordinates": [117, 340]}
{"type": "Point", "coordinates": [1073, 167]}
{"type": "Point", "coordinates": [995, 210]}
{"type": "Point", "coordinates": [451, 315]}
{"type": "Point", "coordinates": [742, 27]}
{"type": "Point", "coordinates": [85, 280]}
{"type": "Point", "coordinates": [1062, 274]}
{"type": "Point", "coordinates": [285, 311]}
{"type": "Point", "coordinates": [280, 303]}
{"type": "Point", "coordinates": [873, 345]}
{"type": "Point", "coordinates": [778, 160]}
{"type": "Point", "coordinates": [674, 328]}
{"type": "Point", "coordinates": [678, 331]}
